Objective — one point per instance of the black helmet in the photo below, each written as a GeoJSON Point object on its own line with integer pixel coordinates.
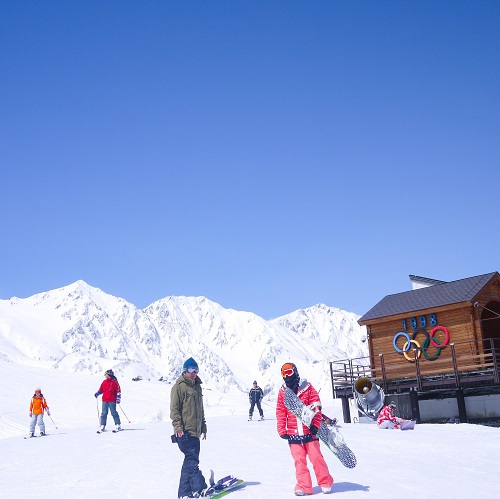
{"type": "Point", "coordinates": [110, 372]}
{"type": "Point", "coordinates": [392, 405]}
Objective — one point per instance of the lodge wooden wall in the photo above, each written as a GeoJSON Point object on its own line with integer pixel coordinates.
{"type": "Point", "coordinates": [462, 320]}
{"type": "Point", "coordinates": [459, 319]}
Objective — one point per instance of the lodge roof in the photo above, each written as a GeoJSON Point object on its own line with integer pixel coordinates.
{"type": "Point", "coordinates": [438, 295]}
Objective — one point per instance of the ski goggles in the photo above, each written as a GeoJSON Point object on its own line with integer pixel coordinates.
{"type": "Point", "coordinates": [287, 370]}
{"type": "Point", "coordinates": [192, 370]}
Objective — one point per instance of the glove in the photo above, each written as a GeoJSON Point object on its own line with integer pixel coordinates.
{"type": "Point", "coordinates": [314, 429]}
{"type": "Point", "coordinates": [118, 398]}
{"type": "Point", "coordinates": [284, 436]}
{"type": "Point", "coordinates": [96, 394]}
{"type": "Point", "coordinates": [48, 413]}
{"type": "Point", "coordinates": [31, 414]}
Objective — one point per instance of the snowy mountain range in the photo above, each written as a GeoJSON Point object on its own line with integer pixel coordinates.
{"type": "Point", "coordinates": [79, 328]}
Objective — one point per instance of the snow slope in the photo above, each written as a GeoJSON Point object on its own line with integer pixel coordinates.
{"type": "Point", "coordinates": [433, 461]}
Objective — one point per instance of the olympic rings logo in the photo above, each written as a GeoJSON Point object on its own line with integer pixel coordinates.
{"type": "Point", "coordinates": [421, 347]}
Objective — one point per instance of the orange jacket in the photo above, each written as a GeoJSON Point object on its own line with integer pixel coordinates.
{"type": "Point", "coordinates": [38, 404]}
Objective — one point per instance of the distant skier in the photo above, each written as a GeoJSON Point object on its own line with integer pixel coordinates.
{"type": "Point", "coordinates": [387, 419]}
{"type": "Point", "coordinates": [255, 396]}
{"type": "Point", "coordinates": [111, 395]}
{"type": "Point", "coordinates": [38, 405]}
{"type": "Point", "coordinates": [301, 438]}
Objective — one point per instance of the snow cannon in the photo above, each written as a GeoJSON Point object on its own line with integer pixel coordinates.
{"type": "Point", "coordinates": [369, 397]}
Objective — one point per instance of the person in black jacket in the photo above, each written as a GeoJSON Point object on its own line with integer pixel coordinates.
{"type": "Point", "coordinates": [255, 396]}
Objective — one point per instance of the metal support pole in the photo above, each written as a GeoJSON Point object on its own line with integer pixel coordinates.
{"type": "Point", "coordinates": [496, 368]}
{"type": "Point", "coordinates": [417, 367]}
{"type": "Point", "coordinates": [415, 409]}
{"type": "Point", "coordinates": [455, 368]}
{"type": "Point", "coordinates": [382, 365]}
{"type": "Point", "coordinates": [345, 409]}
{"type": "Point", "coordinates": [462, 411]}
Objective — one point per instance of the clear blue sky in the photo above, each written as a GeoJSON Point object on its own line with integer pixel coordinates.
{"type": "Point", "coordinates": [269, 155]}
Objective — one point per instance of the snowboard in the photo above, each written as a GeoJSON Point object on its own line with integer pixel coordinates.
{"type": "Point", "coordinates": [407, 424]}
{"type": "Point", "coordinates": [223, 486]}
{"type": "Point", "coordinates": [227, 490]}
{"type": "Point", "coordinates": [329, 434]}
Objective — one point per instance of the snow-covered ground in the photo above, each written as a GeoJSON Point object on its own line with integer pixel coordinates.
{"type": "Point", "coordinates": [433, 461]}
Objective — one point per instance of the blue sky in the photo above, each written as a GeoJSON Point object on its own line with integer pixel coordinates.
{"type": "Point", "coordinates": [269, 155]}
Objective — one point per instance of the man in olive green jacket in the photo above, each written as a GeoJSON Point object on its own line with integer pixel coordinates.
{"type": "Point", "coordinates": [188, 419]}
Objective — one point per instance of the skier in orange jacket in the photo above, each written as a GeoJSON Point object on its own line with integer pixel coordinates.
{"type": "Point", "coordinates": [38, 405]}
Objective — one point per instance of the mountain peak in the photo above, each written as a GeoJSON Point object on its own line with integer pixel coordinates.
{"type": "Point", "coordinates": [81, 328]}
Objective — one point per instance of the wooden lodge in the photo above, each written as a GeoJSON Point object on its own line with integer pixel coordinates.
{"type": "Point", "coordinates": [438, 337]}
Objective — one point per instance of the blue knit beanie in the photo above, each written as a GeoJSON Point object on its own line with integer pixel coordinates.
{"type": "Point", "coordinates": [189, 363]}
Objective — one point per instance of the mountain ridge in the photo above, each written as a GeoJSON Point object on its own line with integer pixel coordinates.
{"type": "Point", "coordinates": [81, 328]}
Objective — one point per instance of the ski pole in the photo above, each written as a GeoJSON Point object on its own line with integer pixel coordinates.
{"type": "Point", "coordinates": [52, 420]}
{"type": "Point", "coordinates": [124, 412]}
{"type": "Point", "coordinates": [268, 405]}
{"type": "Point", "coordinates": [98, 415]}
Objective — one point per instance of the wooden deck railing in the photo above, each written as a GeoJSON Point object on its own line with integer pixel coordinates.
{"type": "Point", "coordinates": [466, 364]}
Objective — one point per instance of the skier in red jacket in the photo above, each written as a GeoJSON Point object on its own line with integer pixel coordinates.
{"type": "Point", "coordinates": [111, 395]}
{"type": "Point", "coordinates": [302, 439]}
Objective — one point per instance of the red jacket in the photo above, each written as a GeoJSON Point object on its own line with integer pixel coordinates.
{"type": "Point", "coordinates": [287, 422]}
{"type": "Point", "coordinates": [110, 388]}
{"type": "Point", "coordinates": [386, 415]}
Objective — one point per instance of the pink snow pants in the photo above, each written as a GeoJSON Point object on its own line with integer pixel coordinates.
{"type": "Point", "coordinates": [299, 453]}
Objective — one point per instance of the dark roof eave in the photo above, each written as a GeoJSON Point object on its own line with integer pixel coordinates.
{"type": "Point", "coordinates": [439, 295]}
